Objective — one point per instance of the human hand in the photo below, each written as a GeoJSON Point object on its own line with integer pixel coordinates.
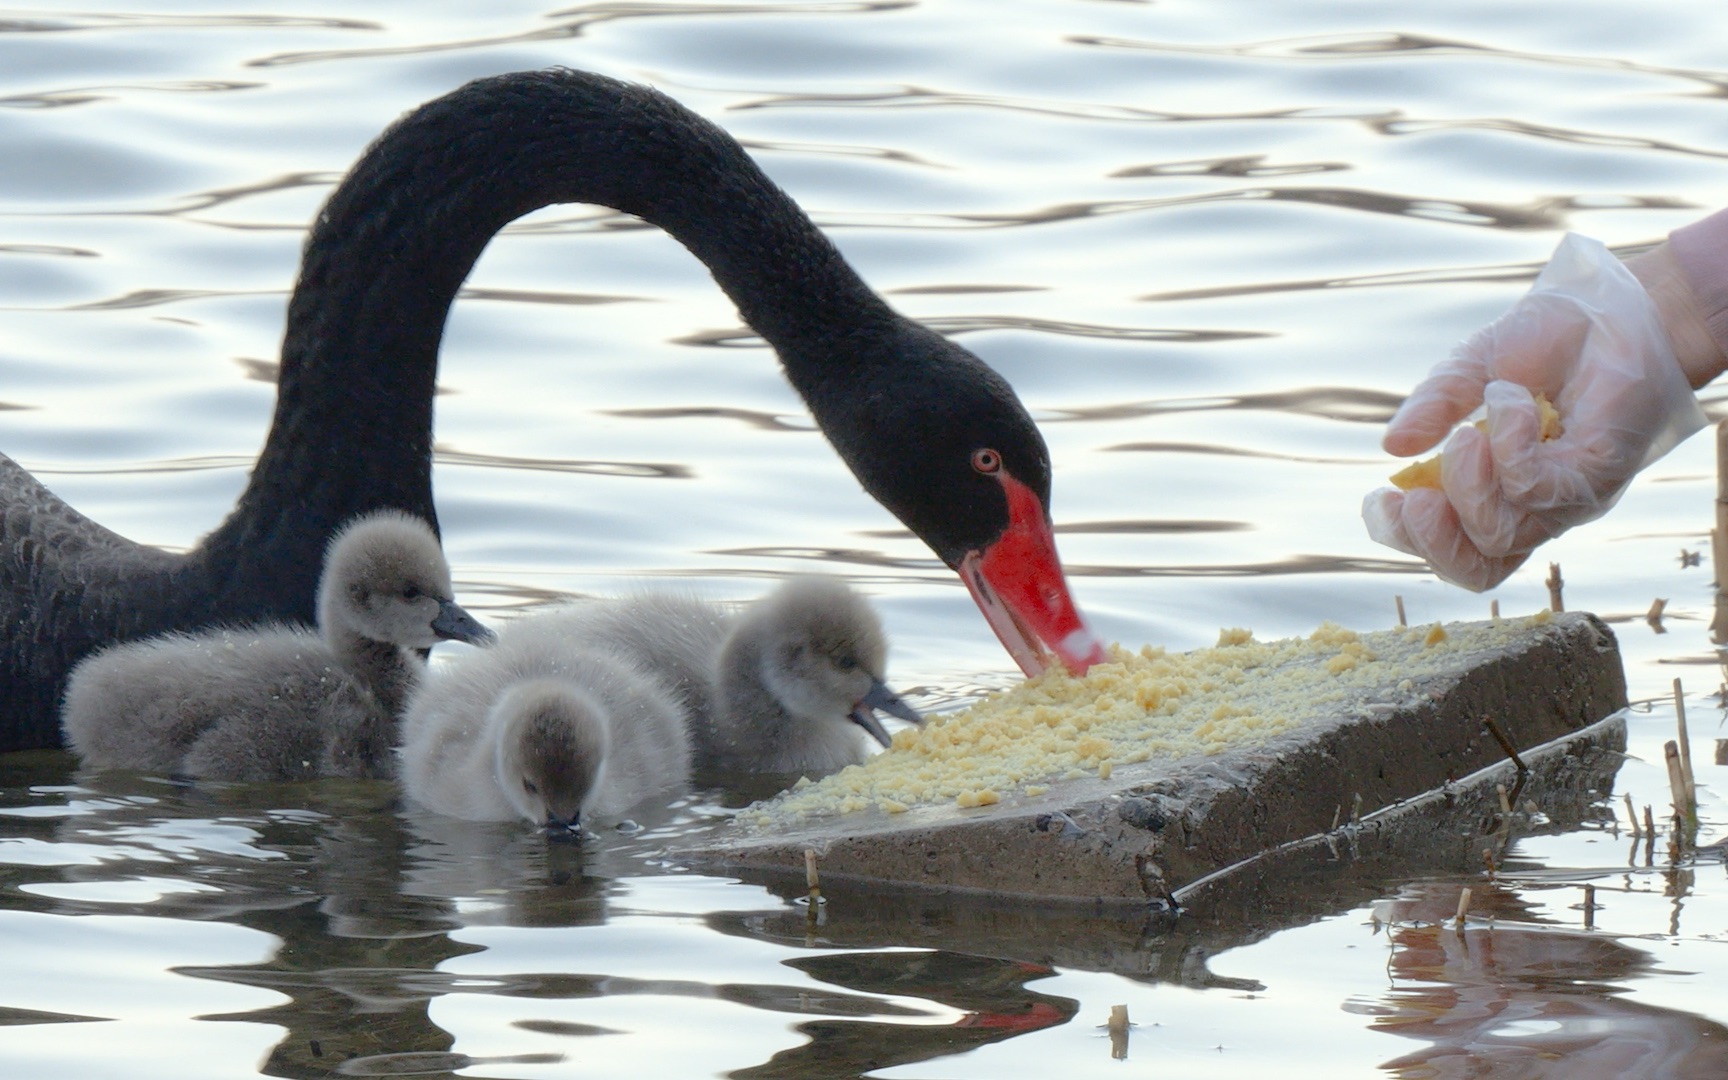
{"type": "Point", "coordinates": [1589, 339]}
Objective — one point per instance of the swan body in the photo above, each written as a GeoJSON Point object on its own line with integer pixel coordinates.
{"type": "Point", "coordinates": [277, 702]}
{"type": "Point", "coordinates": [786, 684]}
{"type": "Point", "coordinates": [928, 429]}
{"type": "Point", "coordinates": [545, 728]}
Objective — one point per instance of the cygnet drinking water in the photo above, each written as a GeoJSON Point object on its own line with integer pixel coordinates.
{"type": "Point", "coordinates": [789, 683]}
{"type": "Point", "coordinates": [544, 727]}
{"type": "Point", "coordinates": [276, 702]}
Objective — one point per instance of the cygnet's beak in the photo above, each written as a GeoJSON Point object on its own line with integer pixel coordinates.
{"type": "Point", "coordinates": [880, 697]}
{"type": "Point", "coordinates": [455, 624]}
{"type": "Point", "coordinates": [558, 828]}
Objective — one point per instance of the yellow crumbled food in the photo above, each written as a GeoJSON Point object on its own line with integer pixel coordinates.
{"type": "Point", "coordinates": [1330, 633]}
{"type": "Point", "coordinates": [1234, 635]}
{"type": "Point", "coordinates": [1350, 655]}
{"type": "Point", "coordinates": [1419, 474]}
{"type": "Point", "coordinates": [1147, 705]}
{"type": "Point", "coordinates": [1551, 428]}
{"type": "Point", "coordinates": [1426, 473]}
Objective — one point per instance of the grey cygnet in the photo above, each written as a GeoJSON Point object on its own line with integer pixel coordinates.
{"type": "Point", "coordinates": [276, 702]}
{"type": "Point", "coordinates": [543, 727]}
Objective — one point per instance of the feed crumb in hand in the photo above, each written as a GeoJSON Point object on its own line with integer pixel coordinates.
{"type": "Point", "coordinates": [1426, 473]}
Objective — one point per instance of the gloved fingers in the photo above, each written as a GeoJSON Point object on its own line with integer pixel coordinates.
{"type": "Point", "coordinates": [1422, 523]}
{"type": "Point", "coordinates": [1567, 474]}
{"type": "Point", "coordinates": [1432, 523]}
{"type": "Point", "coordinates": [1536, 344]}
{"type": "Point", "coordinates": [1383, 514]}
{"type": "Point", "coordinates": [1451, 392]}
{"type": "Point", "coordinates": [1469, 475]}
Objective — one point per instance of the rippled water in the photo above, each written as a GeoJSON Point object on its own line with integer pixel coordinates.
{"type": "Point", "coordinates": [1209, 243]}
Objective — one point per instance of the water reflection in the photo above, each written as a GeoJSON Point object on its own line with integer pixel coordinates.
{"type": "Point", "coordinates": [1377, 46]}
{"type": "Point", "coordinates": [1513, 997]}
{"type": "Point", "coordinates": [85, 95]}
{"type": "Point", "coordinates": [992, 995]}
{"type": "Point", "coordinates": [1348, 403]}
{"type": "Point", "coordinates": [575, 22]}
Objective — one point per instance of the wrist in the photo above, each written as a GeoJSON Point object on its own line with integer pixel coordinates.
{"type": "Point", "coordinates": [1683, 317]}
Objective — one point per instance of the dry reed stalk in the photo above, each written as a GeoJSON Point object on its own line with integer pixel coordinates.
{"type": "Point", "coordinates": [1685, 741]}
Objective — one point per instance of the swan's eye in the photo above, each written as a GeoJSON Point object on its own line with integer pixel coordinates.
{"type": "Point", "coordinates": [986, 461]}
{"type": "Point", "coordinates": [530, 787]}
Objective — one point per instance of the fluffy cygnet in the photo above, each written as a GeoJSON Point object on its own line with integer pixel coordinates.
{"type": "Point", "coordinates": [276, 702]}
{"type": "Point", "coordinates": [543, 726]}
{"type": "Point", "coordinates": [786, 684]}
{"type": "Point", "coordinates": [800, 674]}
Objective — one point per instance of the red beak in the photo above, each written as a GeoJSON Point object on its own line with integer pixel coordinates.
{"type": "Point", "coordinates": [1017, 583]}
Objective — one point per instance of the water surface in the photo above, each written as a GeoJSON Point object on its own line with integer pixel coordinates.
{"type": "Point", "coordinates": [1209, 243]}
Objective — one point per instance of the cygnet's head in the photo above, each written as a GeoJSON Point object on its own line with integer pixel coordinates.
{"type": "Point", "coordinates": [385, 577]}
{"type": "Point", "coordinates": [824, 654]}
{"type": "Point", "coordinates": [551, 750]}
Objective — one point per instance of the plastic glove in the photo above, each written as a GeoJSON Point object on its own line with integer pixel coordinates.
{"type": "Point", "coordinates": [1589, 338]}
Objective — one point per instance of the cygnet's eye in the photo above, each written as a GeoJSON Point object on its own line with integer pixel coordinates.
{"type": "Point", "coordinates": [411, 592]}
{"type": "Point", "coordinates": [530, 787]}
{"type": "Point", "coordinates": [846, 663]}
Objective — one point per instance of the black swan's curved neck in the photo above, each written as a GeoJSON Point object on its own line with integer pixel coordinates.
{"type": "Point", "coordinates": [389, 251]}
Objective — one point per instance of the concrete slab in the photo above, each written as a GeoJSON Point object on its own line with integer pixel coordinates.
{"type": "Point", "coordinates": [1410, 722]}
{"type": "Point", "coordinates": [1439, 835]}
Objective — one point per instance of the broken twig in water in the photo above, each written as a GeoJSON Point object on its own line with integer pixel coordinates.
{"type": "Point", "coordinates": [1399, 601]}
{"type": "Point", "coordinates": [1631, 815]}
{"type": "Point", "coordinates": [1685, 821]}
{"type": "Point", "coordinates": [1654, 615]}
{"type": "Point", "coordinates": [1685, 741]}
{"type": "Point", "coordinates": [1492, 726]}
{"type": "Point", "coordinates": [1118, 1028]}
{"type": "Point", "coordinates": [1463, 905]}
{"type": "Point", "coordinates": [1554, 583]}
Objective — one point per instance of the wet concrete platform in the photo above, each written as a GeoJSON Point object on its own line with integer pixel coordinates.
{"type": "Point", "coordinates": [1413, 762]}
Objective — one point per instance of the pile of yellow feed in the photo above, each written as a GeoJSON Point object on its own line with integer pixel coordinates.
{"type": "Point", "coordinates": [1138, 706]}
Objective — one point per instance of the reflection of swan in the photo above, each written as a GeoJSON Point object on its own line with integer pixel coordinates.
{"type": "Point", "coordinates": [543, 728]}
{"type": "Point", "coordinates": [273, 702]}
{"type": "Point", "coordinates": [930, 431]}
{"type": "Point", "coordinates": [787, 684]}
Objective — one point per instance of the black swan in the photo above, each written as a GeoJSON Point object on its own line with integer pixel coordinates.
{"type": "Point", "coordinates": [929, 430]}
{"type": "Point", "coordinates": [275, 702]}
